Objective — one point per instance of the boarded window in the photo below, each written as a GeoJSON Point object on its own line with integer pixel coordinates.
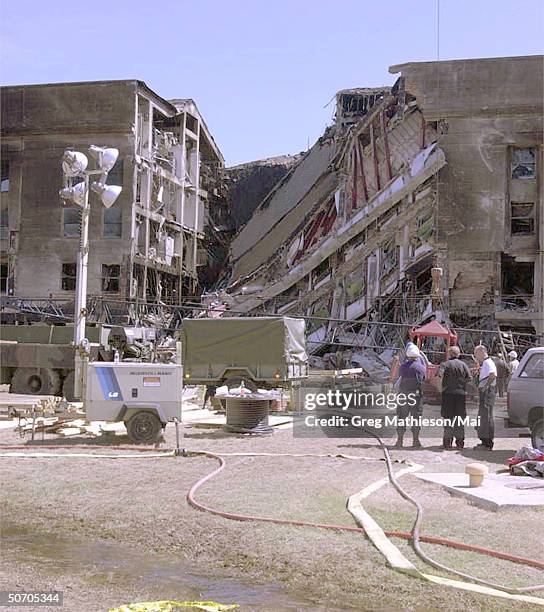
{"type": "Point", "coordinates": [71, 222]}
{"type": "Point", "coordinates": [110, 278]}
{"type": "Point", "coordinates": [523, 163]}
{"type": "Point", "coordinates": [522, 219]}
{"type": "Point", "coordinates": [68, 277]}
{"type": "Point", "coordinates": [112, 223]}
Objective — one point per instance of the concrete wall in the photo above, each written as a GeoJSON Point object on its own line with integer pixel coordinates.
{"type": "Point", "coordinates": [38, 124]}
{"type": "Point", "coordinates": [483, 108]}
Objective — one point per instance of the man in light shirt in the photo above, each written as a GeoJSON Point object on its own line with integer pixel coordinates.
{"type": "Point", "coordinates": [513, 361]}
{"type": "Point", "coordinates": [487, 389]}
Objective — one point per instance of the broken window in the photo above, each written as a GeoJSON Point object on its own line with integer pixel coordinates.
{"type": "Point", "coordinates": [112, 223]}
{"type": "Point", "coordinates": [110, 278]}
{"type": "Point", "coordinates": [3, 278]}
{"type": "Point", "coordinates": [321, 271]}
{"type": "Point", "coordinates": [523, 163]}
{"type": "Point", "coordinates": [355, 285]}
{"type": "Point", "coordinates": [68, 277]}
{"type": "Point", "coordinates": [517, 282]}
{"type": "Point", "coordinates": [288, 296]}
{"type": "Point", "coordinates": [425, 227]}
{"type": "Point", "coordinates": [71, 222]}
{"type": "Point", "coordinates": [389, 257]}
{"type": "Point", "coordinates": [522, 218]}
{"type": "Point", "coordinates": [317, 312]}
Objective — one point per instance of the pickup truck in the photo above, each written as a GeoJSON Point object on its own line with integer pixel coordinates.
{"type": "Point", "coordinates": [263, 352]}
{"type": "Point", "coordinates": [525, 396]}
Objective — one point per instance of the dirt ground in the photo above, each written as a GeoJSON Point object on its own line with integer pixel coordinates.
{"type": "Point", "coordinates": [108, 532]}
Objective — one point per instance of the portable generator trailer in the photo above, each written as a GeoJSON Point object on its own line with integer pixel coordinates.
{"type": "Point", "coordinates": [145, 396]}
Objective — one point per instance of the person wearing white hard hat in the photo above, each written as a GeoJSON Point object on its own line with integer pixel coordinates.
{"type": "Point", "coordinates": [412, 374]}
{"type": "Point", "coordinates": [513, 361]}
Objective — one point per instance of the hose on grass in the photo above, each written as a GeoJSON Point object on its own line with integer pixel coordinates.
{"type": "Point", "coordinates": [413, 535]}
{"type": "Point", "coordinates": [416, 537]}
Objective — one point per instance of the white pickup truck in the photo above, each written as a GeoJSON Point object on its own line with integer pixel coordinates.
{"type": "Point", "coordinates": [525, 399]}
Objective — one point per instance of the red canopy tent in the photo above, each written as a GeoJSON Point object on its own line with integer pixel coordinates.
{"type": "Point", "coordinates": [436, 330]}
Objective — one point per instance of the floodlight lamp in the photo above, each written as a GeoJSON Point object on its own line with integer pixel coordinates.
{"type": "Point", "coordinates": [108, 193]}
{"type": "Point", "coordinates": [105, 158]}
{"type": "Point", "coordinates": [74, 162]}
{"type": "Point", "coordinates": [76, 193]}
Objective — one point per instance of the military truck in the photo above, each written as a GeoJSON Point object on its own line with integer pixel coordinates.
{"type": "Point", "coordinates": [39, 359]}
{"type": "Point", "coordinates": [262, 352]}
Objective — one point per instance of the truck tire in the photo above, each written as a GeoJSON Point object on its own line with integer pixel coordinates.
{"type": "Point", "coordinates": [35, 381]}
{"type": "Point", "coordinates": [144, 428]}
{"type": "Point", "coordinates": [537, 434]}
{"type": "Point", "coordinates": [68, 387]}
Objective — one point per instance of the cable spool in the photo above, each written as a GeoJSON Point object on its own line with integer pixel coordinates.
{"type": "Point", "coordinates": [246, 415]}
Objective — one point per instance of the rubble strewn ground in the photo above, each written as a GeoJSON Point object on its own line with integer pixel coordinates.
{"type": "Point", "coordinates": [139, 540]}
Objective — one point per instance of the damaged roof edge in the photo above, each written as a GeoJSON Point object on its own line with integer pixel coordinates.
{"type": "Point", "coordinates": [400, 67]}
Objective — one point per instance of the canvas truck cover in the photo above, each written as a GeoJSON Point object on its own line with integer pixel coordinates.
{"type": "Point", "coordinates": [241, 341]}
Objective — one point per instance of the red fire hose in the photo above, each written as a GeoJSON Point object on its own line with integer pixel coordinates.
{"type": "Point", "coordinates": [405, 535]}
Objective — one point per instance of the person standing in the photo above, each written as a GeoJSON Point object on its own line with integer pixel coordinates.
{"type": "Point", "coordinates": [412, 374]}
{"type": "Point", "coordinates": [487, 390]}
{"type": "Point", "coordinates": [502, 373]}
{"type": "Point", "coordinates": [455, 377]}
{"type": "Point", "coordinates": [513, 361]}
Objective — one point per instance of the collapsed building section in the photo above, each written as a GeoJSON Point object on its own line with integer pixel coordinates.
{"type": "Point", "coordinates": [152, 245]}
{"type": "Point", "coordinates": [411, 206]}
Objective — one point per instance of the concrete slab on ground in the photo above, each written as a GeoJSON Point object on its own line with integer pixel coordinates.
{"type": "Point", "coordinates": [499, 491]}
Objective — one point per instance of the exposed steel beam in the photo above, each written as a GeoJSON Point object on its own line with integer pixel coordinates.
{"type": "Point", "coordinates": [386, 145]}
{"type": "Point", "coordinates": [375, 157]}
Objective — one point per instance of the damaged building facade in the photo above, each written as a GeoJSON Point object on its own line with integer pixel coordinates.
{"type": "Point", "coordinates": [421, 201]}
{"type": "Point", "coordinates": [153, 243]}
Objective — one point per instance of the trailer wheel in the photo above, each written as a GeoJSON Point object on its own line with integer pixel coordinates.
{"type": "Point", "coordinates": [144, 428]}
{"type": "Point", "coordinates": [68, 387]}
{"type": "Point", "coordinates": [31, 381]}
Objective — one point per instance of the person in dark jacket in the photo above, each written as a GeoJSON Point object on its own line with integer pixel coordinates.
{"type": "Point", "coordinates": [412, 374]}
{"type": "Point", "coordinates": [503, 372]}
{"type": "Point", "coordinates": [455, 376]}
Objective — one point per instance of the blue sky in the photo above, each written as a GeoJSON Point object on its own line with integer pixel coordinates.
{"type": "Point", "coordinates": [261, 71]}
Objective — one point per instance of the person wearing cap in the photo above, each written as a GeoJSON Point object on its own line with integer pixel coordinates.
{"type": "Point", "coordinates": [412, 374]}
{"type": "Point", "coordinates": [513, 361]}
{"type": "Point", "coordinates": [487, 390]}
{"type": "Point", "coordinates": [455, 377]}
